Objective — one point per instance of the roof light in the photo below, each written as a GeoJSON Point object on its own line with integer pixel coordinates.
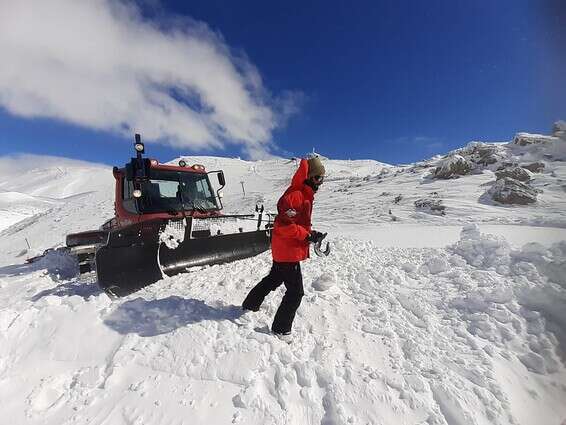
{"type": "Point", "coordinates": [138, 145]}
{"type": "Point", "coordinates": [137, 193]}
{"type": "Point", "coordinates": [198, 167]}
{"type": "Point", "coordinates": [154, 162]}
{"type": "Point", "coordinates": [182, 163]}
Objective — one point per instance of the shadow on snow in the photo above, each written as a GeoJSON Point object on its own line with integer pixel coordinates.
{"type": "Point", "coordinates": [68, 289]}
{"type": "Point", "coordinates": [156, 317]}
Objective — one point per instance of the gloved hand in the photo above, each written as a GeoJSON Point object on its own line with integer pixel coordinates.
{"type": "Point", "coordinates": [315, 236]}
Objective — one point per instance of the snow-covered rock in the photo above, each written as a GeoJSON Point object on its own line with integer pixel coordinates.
{"type": "Point", "coordinates": [510, 191]}
{"type": "Point", "coordinates": [482, 154]}
{"type": "Point", "coordinates": [433, 206]}
{"type": "Point", "coordinates": [534, 147]}
{"type": "Point", "coordinates": [452, 167]}
{"type": "Point", "coordinates": [534, 167]}
{"type": "Point", "coordinates": [525, 139]}
{"type": "Point", "coordinates": [516, 173]}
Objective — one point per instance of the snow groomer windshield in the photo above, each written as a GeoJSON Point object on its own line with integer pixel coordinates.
{"type": "Point", "coordinates": [168, 191]}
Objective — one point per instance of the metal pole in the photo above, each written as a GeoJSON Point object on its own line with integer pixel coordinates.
{"type": "Point", "coordinates": [243, 188]}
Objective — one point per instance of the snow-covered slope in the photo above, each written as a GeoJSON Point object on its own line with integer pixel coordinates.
{"type": "Point", "coordinates": [32, 186]}
{"type": "Point", "coordinates": [416, 317]}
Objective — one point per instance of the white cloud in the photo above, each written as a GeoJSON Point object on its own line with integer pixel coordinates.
{"type": "Point", "coordinates": [417, 140]}
{"type": "Point", "coordinates": [18, 164]}
{"type": "Point", "coordinates": [100, 64]}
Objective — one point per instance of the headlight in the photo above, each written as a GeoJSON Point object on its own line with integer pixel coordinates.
{"type": "Point", "coordinates": [137, 193]}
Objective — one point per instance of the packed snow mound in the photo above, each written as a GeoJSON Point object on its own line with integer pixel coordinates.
{"type": "Point", "coordinates": [533, 270]}
{"type": "Point", "coordinates": [465, 334]}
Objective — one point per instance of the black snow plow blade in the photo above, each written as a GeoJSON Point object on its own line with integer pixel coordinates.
{"type": "Point", "coordinates": [142, 254]}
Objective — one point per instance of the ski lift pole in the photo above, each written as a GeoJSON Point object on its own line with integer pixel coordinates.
{"type": "Point", "coordinates": [259, 210]}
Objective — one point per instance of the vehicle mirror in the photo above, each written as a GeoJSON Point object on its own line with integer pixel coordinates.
{"type": "Point", "coordinates": [221, 179]}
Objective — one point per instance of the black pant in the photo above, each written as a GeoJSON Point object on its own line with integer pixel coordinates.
{"type": "Point", "coordinates": [290, 275]}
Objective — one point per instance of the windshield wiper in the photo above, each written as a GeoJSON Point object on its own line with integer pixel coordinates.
{"type": "Point", "coordinates": [180, 194]}
{"type": "Point", "coordinates": [192, 202]}
{"type": "Point", "coordinates": [199, 209]}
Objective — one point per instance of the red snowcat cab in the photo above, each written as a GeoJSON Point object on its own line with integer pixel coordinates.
{"type": "Point", "coordinates": [167, 219]}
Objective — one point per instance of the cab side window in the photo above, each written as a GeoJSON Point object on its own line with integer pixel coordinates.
{"type": "Point", "coordinates": [203, 189]}
{"type": "Point", "coordinates": [128, 201]}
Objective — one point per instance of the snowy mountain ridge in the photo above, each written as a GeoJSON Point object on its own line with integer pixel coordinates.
{"type": "Point", "coordinates": [438, 305]}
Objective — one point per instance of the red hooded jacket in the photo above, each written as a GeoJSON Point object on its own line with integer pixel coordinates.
{"type": "Point", "coordinates": [292, 225]}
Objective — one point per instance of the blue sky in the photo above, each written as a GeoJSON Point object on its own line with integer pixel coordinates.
{"type": "Point", "coordinates": [394, 81]}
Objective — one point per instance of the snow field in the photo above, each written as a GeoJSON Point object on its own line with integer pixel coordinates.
{"type": "Point", "coordinates": [409, 321]}
{"type": "Point", "coordinates": [383, 336]}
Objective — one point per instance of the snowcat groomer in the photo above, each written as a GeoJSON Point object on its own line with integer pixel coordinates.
{"type": "Point", "coordinates": [167, 219]}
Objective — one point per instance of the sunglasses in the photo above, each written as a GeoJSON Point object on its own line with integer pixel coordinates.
{"type": "Point", "coordinates": [318, 179]}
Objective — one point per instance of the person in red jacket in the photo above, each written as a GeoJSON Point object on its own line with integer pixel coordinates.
{"type": "Point", "coordinates": [290, 240]}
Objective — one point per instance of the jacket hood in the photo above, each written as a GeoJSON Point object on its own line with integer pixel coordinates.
{"type": "Point", "coordinates": [300, 175]}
